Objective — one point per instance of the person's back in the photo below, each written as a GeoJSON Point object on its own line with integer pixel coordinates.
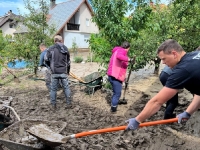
{"type": "Point", "coordinates": [117, 71]}
{"type": "Point", "coordinates": [58, 58]}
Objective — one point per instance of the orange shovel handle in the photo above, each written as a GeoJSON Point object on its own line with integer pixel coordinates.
{"type": "Point", "coordinates": [99, 131]}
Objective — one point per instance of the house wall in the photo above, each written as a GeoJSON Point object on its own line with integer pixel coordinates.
{"type": "Point", "coordinates": [86, 14]}
{"type": "Point", "coordinates": [6, 30]}
{"type": "Point", "coordinates": [78, 38]}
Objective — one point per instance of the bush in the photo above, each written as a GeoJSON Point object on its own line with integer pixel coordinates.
{"type": "Point", "coordinates": [94, 59]}
{"type": "Point", "coordinates": [78, 59]}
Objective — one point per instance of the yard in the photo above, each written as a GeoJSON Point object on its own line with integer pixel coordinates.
{"type": "Point", "coordinates": [31, 101]}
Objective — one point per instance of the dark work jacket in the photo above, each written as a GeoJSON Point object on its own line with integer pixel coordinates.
{"type": "Point", "coordinates": [58, 59]}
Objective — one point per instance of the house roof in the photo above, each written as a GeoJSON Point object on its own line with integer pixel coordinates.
{"type": "Point", "coordinates": [62, 12]}
{"type": "Point", "coordinates": [8, 17]}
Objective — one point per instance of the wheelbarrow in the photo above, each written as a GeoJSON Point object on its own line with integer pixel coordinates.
{"type": "Point", "coordinates": [91, 82]}
{"type": "Point", "coordinates": [53, 139]}
{"type": "Point", "coordinates": [15, 136]}
{"type": "Point", "coordinates": [6, 117]}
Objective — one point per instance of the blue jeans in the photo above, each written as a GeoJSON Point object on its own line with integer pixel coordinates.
{"type": "Point", "coordinates": [54, 86]}
{"type": "Point", "coordinates": [48, 79]}
{"type": "Point", "coordinates": [117, 88]}
{"type": "Point", "coordinates": [173, 102]}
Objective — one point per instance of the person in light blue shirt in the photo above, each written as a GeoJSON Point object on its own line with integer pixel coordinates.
{"type": "Point", "coordinates": [42, 64]}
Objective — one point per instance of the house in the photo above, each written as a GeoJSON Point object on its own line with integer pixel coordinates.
{"type": "Point", "coordinates": [72, 20]}
{"type": "Point", "coordinates": [9, 23]}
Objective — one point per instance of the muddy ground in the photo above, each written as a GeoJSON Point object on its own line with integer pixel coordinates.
{"type": "Point", "coordinates": [31, 101]}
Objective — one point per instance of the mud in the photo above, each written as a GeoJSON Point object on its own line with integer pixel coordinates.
{"type": "Point", "coordinates": [90, 112]}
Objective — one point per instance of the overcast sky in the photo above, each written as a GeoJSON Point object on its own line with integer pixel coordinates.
{"type": "Point", "coordinates": [14, 5]}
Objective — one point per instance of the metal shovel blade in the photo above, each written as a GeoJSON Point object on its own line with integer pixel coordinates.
{"type": "Point", "coordinates": [50, 138]}
{"type": "Point", "coordinates": [46, 135]}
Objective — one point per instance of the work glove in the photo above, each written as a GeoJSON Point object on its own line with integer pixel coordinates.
{"type": "Point", "coordinates": [132, 124]}
{"type": "Point", "coordinates": [43, 69]}
{"type": "Point", "coordinates": [39, 68]}
{"type": "Point", "coordinates": [183, 117]}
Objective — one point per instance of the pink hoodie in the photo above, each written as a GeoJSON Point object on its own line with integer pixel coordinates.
{"type": "Point", "coordinates": [118, 63]}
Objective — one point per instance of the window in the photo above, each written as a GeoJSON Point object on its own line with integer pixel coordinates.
{"type": "Point", "coordinates": [87, 22]}
{"type": "Point", "coordinates": [11, 25]}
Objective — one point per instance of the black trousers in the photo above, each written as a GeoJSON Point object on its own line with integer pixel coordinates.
{"type": "Point", "coordinates": [172, 103]}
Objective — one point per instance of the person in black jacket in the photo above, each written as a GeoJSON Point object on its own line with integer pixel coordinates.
{"type": "Point", "coordinates": [58, 59]}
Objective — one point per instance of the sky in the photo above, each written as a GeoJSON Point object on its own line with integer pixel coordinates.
{"type": "Point", "coordinates": [14, 5]}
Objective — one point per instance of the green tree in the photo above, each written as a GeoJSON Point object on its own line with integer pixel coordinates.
{"type": "Point", "coordinates": [4, 41]}
{"type": "Point", "coordinates": [156, 31]}
{"type": "Point", "coordinates": [185, 21]}
{"type": "Point", "coordinates": [26, 46]}
{"type": "Point", "coordinates": [115, 27]}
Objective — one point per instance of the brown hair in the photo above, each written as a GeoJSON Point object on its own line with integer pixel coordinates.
{"type": "Point", "coordinates": [58, 38]}
{"type": "Point", "coordinates": [42, 45]}
{"type": "Point", "coordinates": [169, 45]}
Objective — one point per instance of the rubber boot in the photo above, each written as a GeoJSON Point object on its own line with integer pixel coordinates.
{"type": "Point", "coordinates": [113, 109]}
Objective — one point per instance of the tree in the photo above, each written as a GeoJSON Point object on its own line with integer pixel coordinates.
{"type": "Point", "coordinates": [185, 20]}
{"type": "Point", "coordinates": [26, 46]}
{"type": "Point", "coordinates": [114, 27]}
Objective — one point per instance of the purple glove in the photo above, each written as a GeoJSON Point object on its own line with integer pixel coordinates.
{"type": "Point", "coordinates": [183, 117]}
{"type": "Point", "coordinates": [132, 124]}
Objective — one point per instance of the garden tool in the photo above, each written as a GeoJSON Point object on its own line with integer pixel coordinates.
{"type": "Point", "coordinates": [124, 101]}
{"type": "Point", "coordinates": [15, 78]}
{"type": "Point", "coordinates": [50, 138]}
{"type": "Point", "coordinates": [75, 77]}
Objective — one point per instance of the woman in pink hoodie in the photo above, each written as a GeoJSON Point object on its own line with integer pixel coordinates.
{"type": "Point", "coordinates": [117, 71]}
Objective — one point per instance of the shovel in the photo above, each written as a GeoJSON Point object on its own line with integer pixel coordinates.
{"type": "Point", "coordinates": [124, 101]}
{"type": "Point", "coordinates": [50, 138]}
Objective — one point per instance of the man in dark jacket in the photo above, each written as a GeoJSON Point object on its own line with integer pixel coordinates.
{"type": "Point", "coordinates": [58, 59]}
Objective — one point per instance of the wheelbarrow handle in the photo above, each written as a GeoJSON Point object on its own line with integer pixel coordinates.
{"type": "Point", "coordinates": [145, 124]}
{"type": "Point", "coordinates": [75, 77]}
{"type": "Point", "coordinates": [12, 110]}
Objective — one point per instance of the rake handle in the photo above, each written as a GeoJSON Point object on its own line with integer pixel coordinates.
{"type": "Point", "coordinates": [124, 127]}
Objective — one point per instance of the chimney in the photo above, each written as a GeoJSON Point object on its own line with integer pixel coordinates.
{"type": "Point", "coordinates": [52, 3]}
{"type": "Point", "coordinates": [9, 12]}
